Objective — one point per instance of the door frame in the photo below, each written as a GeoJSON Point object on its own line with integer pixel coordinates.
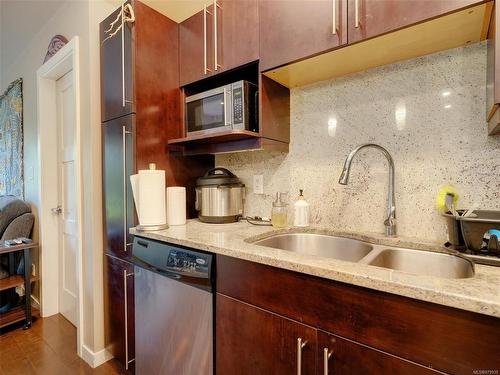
{"type": "Point", "coordinates": [65, 60]}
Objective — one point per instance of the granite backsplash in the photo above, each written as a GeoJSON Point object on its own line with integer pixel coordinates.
{"type": "Point", "coordinates": [428, 112]}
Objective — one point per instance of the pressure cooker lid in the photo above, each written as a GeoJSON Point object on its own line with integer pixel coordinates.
{"type": "Point", "coordinates": [218, 176]}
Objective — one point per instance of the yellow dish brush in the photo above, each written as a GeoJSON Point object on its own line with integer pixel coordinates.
{"type": "Point", "coordinates": [447, 199]}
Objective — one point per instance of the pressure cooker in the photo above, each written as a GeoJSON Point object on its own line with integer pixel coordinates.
{"type": "Point", "coordinates": [219, 196]}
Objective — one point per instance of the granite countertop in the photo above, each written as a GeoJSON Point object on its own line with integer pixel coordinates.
{"type": "Point", "coordinates": [480, 294]}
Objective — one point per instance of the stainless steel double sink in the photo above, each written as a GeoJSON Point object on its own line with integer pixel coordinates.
{"type": "Point", "coordinates": [418, 262]}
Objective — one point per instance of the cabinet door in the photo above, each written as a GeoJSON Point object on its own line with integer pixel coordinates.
{"type": "Point", "coordinates": [118, 165]}
{"type": "Point", "coordinates": [339, 356]}
{"type": "Point", "coordinates": [253, 341]}
{"type": "Point", "coordinates": [294, 29]}
{"type": "Point", "coordinates": [237, 33]}
{"type": "Point", "coordinates": [119, 306]}
{"type": "Point", "coordinates": [117, 92]}
{"type": "Point", "coordinates": [196, 47]}
{"type": "Point", "coordinates": [369, 18]}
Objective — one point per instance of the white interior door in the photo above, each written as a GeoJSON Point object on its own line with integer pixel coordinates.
{"type": "Point", "coordinates": [68, 215]}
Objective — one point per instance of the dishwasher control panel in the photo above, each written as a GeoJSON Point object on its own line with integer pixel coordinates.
{"type": "Point", "coordinates": [176, 260]}
{"type": "Point", "coordinates": [188, 262]}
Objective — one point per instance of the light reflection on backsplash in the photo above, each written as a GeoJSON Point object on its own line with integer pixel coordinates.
{"type": "Point", "coordinates": [428, 112]}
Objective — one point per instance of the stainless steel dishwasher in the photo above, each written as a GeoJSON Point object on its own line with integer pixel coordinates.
{"type": "Point", "coordinates": [173, 309]}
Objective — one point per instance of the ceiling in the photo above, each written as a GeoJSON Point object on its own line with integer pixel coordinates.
{"type": "Point", "coordinates": [176, 10]}
{"type": "Point", "coordinates": [20, 21]}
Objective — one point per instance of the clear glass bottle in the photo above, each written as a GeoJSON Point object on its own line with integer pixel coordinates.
{"type": "Point", "coordinates": [279, 213]}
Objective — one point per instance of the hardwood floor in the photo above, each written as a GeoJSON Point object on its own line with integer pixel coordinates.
{"type": "Point", "coordinates": [47, 348]}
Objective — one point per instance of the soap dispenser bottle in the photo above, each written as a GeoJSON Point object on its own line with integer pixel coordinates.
{"type": "Point", "coordinates": [301, 208]}
{"type": "Point", "coordinates": [279, 216]}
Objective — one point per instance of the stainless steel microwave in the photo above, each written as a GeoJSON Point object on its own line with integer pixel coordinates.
{"type": "Point", "coordinates": [233, 106]}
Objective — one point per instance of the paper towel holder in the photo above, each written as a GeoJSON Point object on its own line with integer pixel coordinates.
{"type": "Point", "coordinates": [151, 228]}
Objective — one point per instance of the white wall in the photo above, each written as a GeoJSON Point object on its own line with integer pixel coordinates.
{"type": "Point", "coordinates": [70, 18]}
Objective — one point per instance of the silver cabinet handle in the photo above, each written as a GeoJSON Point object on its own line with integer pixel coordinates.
{"type": "Point", "coordinates": [326, 356]}
{"type": "Point", "coordinates": [356, 13]}
{"type": "Point", "coordinates": [334, 17]}
{"type": "Point", "coordinates": [125, 303]}
{"type": "Point", "coordinates": [216, 62]}
{"type": "Point", "coordinates": [300, 346]}
{"type": "Point", "coordinates": [123, 53]}
{"type": "Point", "coordinates": [124, 166]}
{"type": "Point", "coordinates": [56, 210]}
{"type": "Point", "coordinates": [206, 70]}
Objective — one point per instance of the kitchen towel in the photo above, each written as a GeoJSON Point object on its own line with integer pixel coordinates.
{"type": "Point", "coordinates": [176, 205]}
{"type": "Point", "coordinates": [148, 187]}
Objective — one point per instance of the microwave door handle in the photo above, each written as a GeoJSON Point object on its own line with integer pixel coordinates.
{"type": "Point", "coordinates": [228, 121]}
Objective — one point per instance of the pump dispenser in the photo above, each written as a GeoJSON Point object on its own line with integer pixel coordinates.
{"type": "Point", "coordinates": [279, 218]}
{"type": "Point", "coordinates": [301, 211]}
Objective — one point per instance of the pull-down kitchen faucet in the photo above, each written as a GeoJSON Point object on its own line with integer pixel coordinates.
{"type": "Point", "coordinates": [390, 221]}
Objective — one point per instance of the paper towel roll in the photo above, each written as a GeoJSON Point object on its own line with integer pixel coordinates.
{"type": "Point", "coordinates": [176, 205]}
{"type": "Point", "coordinates": [148, 187]}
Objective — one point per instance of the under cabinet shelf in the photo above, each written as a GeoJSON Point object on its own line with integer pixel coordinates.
{"type": "Point", "coordinates": [225, 142]}
{"type": "Point", "coordinates": [225, 136]}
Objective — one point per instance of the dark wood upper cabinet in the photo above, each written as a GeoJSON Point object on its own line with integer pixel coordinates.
{"type": "Point", "coordinates": [238, 33]}
{"type": "Point", "coordinates": [369, 18]}
{"type": "Point", "coordinates": [117, 81]}
{"type": "Point", "coordinates": [119, 310]}
{"type": "Point", "coordinates": [253, 341]}
{"type": "Point", "coordinates": [291, 30]}
{"type": "Point", "coordinates": [213, 42]}
{"type": "Point", "coordinates": [195, 47]}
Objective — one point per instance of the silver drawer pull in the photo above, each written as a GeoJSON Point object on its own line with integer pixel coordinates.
{"type": "Point", "coordinates": [326, 357]}
{"type": "Point", "coordinates": [300, 345]}
{"type": "Point", "coordinates": [334, 17]}
{"type": "Point", "coordinates": [356, 14]}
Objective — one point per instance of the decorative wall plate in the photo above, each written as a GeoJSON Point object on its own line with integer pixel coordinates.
{"type": "Point", "coordinates": [56, 43]}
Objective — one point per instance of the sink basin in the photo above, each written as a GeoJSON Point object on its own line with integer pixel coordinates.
{"type": "Point", "coordinates": [418, 262]}
{"type": "Point", "coordinates": [424, 263]}
{"type": "Point", "coordinates": [319, 245]}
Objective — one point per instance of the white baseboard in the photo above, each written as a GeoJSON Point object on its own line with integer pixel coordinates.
{"type": "Point", "coordinates": [95, 359]}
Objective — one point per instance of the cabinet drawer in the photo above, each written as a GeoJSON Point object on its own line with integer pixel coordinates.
{"type": "Point", "coordinates": [344, 357]}
{"type": "Point", "coordinates": [447, 339]}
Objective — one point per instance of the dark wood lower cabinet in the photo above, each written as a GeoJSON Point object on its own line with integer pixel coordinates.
{"type": "Point", "coordinates": [374, 332]}
{"type": "Point", "coordinates": [119, 311]}
{"type": "Point", "coordinates": [254, 341]}
{"type": "Point", "coordinates": [251, 340]}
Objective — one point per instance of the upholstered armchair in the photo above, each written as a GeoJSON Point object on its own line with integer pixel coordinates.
{"type": "Point", "coordinates": [16, 220]}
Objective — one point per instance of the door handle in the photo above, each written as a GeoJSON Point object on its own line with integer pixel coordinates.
{"type": "Point", "coordinates": [125, 304]}
{"type": "Point", "coordinates": [56, 210]}
{"type": "Point", "coordinates": [300, 345]}
{"type": "Point", "coordinates": [326, 357]}
{"type": "Point", "coordinates": [125, 132]}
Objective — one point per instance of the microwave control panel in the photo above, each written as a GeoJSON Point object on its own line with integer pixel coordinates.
{"type": "Point", "coordinates": [238, 105]}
